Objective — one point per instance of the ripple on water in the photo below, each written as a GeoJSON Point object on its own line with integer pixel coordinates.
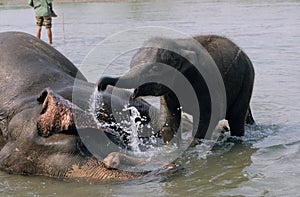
{"type": "Point", "coordinates": [277, 158]}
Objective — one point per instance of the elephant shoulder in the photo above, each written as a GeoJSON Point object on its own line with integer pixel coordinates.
{"type": "Point", "coordinates": [34, 54]}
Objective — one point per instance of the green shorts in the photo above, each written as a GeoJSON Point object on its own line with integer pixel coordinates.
{"type": "Point", "coordinates": [44, 21]}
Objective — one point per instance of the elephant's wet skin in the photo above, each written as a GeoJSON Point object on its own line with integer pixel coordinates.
{"type": "Point", "coordinates": [234, 65]}
{"type": "Point", "coordinates": [38, 133]}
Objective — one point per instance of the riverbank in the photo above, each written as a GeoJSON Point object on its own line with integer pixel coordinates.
{"type": "Point", "coordinates": [20, 2]}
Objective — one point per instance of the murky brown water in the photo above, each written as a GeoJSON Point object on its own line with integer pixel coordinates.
{"type": "Point", "coordinates": [267, 160]}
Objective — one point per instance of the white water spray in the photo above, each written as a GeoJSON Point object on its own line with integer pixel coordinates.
{"type": "Point", "coordinates": [135, 121]}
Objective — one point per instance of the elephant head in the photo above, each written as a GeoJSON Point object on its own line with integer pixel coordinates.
{"type": "Point", "coordinates": [45, 140]}
{"type": "Point", "coordinates": [154, 64]}
{"type": "Point", "coordinates": [159, 66]}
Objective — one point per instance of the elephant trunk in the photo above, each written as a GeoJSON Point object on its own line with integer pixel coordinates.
{"type": "Point", "coordinates": [132, 79]}
{"type": "Point", "coordinates": [97, 171]}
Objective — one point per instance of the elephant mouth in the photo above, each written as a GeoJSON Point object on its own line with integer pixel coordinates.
{"type": "Point", "coordinates": [149, 89]}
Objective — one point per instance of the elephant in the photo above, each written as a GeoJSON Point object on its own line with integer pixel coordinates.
{"type": "Point", "coordinates": [40, 124]}
{"type": "Point", "coordinates": [148, 72]}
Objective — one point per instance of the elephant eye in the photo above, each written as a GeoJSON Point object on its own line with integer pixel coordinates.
{"type": "Point", "coordinates": [155, 68]}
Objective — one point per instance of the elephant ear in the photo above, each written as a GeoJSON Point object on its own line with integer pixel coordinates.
{"type": "Point", "coordinates": [56, 114]}
{"type": "Point", "coordinates": [191, 56]}
{"type": "Point", "coordinates": [170, 58]}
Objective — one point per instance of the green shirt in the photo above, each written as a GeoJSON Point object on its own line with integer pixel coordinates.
{"type": "Point", "coordinates": [41, 7]}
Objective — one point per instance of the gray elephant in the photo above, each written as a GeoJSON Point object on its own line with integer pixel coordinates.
{"type": "Point", "coordinates": [40, 123]}
{"type": "Point", "coordinates": [148, 69]}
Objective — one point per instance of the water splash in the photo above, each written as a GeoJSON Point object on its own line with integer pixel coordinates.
{"type": "Point", "coordinates": [135, 122]}
{"type": "Point", "coordinates": [152, 149]}
{"type": "Point", "coordinates": [128, 122]}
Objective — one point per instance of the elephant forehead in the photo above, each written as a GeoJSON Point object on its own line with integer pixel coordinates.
{"type": "Point", "coordinates": [145, 55]}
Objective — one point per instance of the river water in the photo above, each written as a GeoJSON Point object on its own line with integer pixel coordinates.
{"type": "Point", "coordinates": [266, 162]}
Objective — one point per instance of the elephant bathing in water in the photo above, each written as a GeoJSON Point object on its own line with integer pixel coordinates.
{"type": "Point", "coordinates": [148, 70]}
{"type": "Point", "coordinates": [38, 134]}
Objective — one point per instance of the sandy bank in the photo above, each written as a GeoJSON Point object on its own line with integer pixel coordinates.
{"type": "Point", "coordinates": [20, 2]}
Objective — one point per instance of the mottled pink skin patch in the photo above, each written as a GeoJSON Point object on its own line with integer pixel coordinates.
{"type": "Point", "coordinates": [56, 115]}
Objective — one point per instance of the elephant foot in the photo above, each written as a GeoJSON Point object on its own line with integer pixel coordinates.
{"type": "Point", "coordinates": [222, 127]}
{"type": "Point", "coordinates": [115, 160]}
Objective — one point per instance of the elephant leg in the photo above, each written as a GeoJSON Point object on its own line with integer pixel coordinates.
{"type": "Point", "coordinates": [249, 119]}
{"type": "Point", "coordinates": [238, 112]}
{"type": "Point", "coordinates": [236, 115]}
{"type": "Point", "coordinates": [236, 119]}
{"type": "Point", "coordinates": [201, 124]}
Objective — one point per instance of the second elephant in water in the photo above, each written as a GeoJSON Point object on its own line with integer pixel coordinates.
{"type": "Point", "coordinates": [147, 69]}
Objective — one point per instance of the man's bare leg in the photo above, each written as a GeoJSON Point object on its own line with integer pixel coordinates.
{"type": "Point", "coordinates": [38, 31]}
{"type": "Point", "coordinates": [49, 33]}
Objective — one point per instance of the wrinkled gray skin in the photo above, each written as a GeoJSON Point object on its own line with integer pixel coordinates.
{"type": "Point", "coordinates": [38, 134]}
{"type": "Point", "coordinates": [234, 65]}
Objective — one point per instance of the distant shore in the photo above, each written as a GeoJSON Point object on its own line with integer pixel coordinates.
{"type": "Point", "coordinates": [20, 2]}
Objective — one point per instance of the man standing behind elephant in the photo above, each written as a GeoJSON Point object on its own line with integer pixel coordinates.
{"type": "Point", "coordinates": [43, 12]}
